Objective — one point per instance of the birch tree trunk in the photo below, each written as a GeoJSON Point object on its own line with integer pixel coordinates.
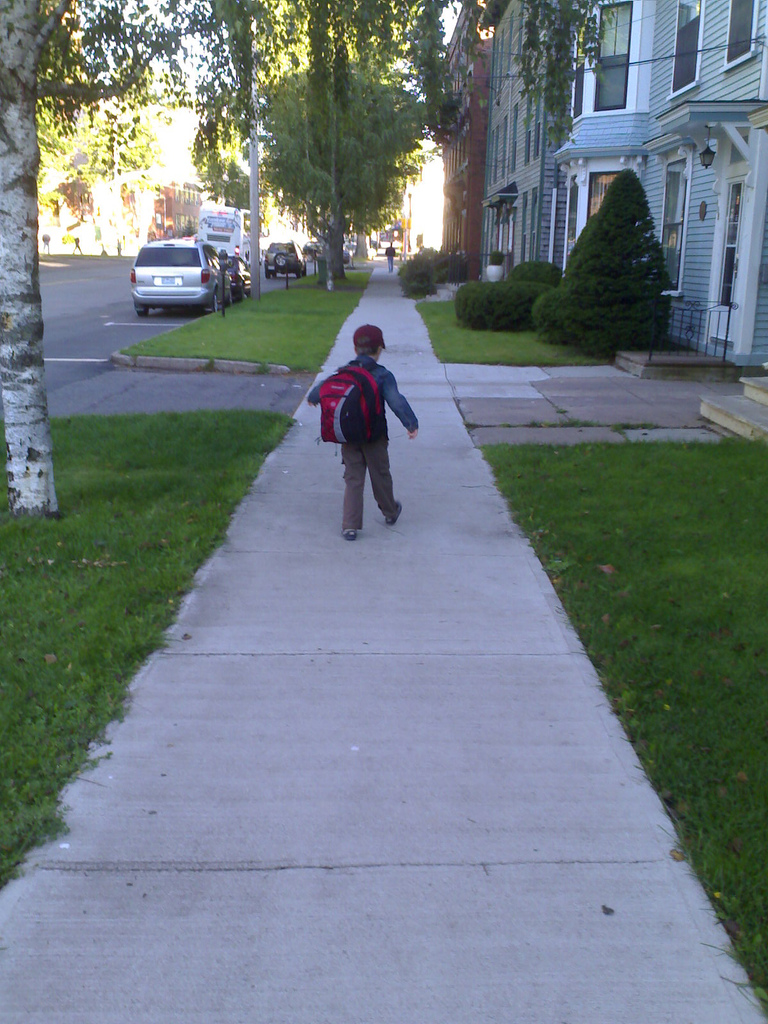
{"type": "Point", "coordinates": [29, 455]}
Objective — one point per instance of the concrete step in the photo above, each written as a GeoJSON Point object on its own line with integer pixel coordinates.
{"type": "Point", "coordinates": [664, 366]}
{"type": "Point", "coordinates": [738, 414]}
{"type": "Point", "coordinates": [756, 388]}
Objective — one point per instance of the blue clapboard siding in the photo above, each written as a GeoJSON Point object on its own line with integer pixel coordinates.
{"type": "Point", "coordinates": [760, 345]}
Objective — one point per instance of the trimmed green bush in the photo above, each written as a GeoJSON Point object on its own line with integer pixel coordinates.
{"type": "Point", "coordinates": [613, 284]}
{"type": "Point", "coordinates": [496, 258]}
{"type": "Point", "coordinates": [536, 270]}
{"type": "Point", "coordinates": [417, 275]}
{"type": "Point", "coordinates": [471, 303]}
{"type": "Point", "coordinates": [498, 306]}
{"type": "Point", "coordinates": [548, 319]}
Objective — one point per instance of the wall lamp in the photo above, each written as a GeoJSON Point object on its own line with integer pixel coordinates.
{"type": "Point", "coordinates": [707, 155]}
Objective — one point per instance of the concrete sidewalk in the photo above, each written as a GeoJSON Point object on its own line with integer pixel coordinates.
{"type": "Point", "coordinates": [369, 783]}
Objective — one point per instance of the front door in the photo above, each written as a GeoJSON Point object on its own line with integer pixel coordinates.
{"type": "Point", "coordinates": [730, 255]}
{"type": "Point", "coordinates": [724, 321]}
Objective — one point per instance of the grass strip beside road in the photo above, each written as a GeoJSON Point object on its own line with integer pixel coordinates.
{"type": "Point", "coordinates": [86, 598]}
{"type": "Point", "coordinates": [659, 553]}
{"type": "Point", "coordinates": [454, 343]}
{"type": "Point", "coordinates": [294, 327]}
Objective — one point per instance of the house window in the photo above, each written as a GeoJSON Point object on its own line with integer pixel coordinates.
{"type": "Point", "coordinates": [686, 43]}
{"type": "Point", "coordinates": [504, 148]}
{"type": "Point", "coordinates": [740, 29]}
{"type": "Point", "coordinates": [537, 133]}
{"type": "Point", "coordinates": [598, 186]}
{"type": "Point", "coordinates": [674, 216]}
{"type": "Point", "coordinates": [513, 154]}
{"type": "Point", "coordinates": [528, 133]}
{"type": "Point", "coordinates": [578, 89]}
{"type": "Point", "coordinates": [525, 227]}
{"type": "Point", "coordinates": [534, 220]}
{"type": "Point", "coordinates": [573, 217]}
{"type": "Point", "coordinates": [613, 64]}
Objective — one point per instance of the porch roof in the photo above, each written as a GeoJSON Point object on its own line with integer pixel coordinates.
{"type": "Point", "coordinates": [693, 116]}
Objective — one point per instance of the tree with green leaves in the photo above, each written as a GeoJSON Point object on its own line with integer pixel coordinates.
{"type": "Point", "coordinates": [348, 168]}
{"type": "Point", "coordinates": [56, 56]}
{"type": "Point", "coordinates": [316, 62]}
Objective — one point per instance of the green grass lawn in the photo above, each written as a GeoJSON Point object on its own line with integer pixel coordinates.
{"type": "Point", "coordinates": [454, 343]}
{"type": "Point", "coordinates": [85, 599]}
{"type": "Point", "coordinates": [294, 327]}
{"type": "Point", "coordinates": [659, 553]}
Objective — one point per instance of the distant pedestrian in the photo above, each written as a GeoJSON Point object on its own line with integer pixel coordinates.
{"type": "Point", "coordinates": [389, 252]}
{"type": "Point", "coordinates": [77, 247]}
{"type": "Point", "coordinates": [47, 243]}
{"type": "Point", "coordinates": [371, 456]}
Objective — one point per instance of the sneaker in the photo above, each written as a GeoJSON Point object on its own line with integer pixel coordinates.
{"type": "Point", "coordinates": [391, 520]}
{"type": "Point", "coordinates": [349, 534]}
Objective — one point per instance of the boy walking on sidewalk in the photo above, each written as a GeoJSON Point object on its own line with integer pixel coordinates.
{"type": "Point", "coordinates": [372, 455]}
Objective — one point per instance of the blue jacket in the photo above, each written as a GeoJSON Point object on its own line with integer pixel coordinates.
{"type": "Point", "coordinates": [387, 386]}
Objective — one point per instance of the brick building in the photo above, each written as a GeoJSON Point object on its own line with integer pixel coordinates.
{"type": "Point", "coordinates": [464, 152]}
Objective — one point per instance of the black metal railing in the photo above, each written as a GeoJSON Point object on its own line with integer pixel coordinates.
{"type": "Point", "coordinates": [695, 328]}
{"type": "Point", "coordinates": [465, 266]}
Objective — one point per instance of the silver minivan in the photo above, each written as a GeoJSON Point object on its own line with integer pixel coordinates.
{"type": "Point", "coordinates": [177, 272]}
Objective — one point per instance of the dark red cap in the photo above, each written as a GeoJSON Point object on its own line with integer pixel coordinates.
{"type": "Point", "coordinates": [368, 339]}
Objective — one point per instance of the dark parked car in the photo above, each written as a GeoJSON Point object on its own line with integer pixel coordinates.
{"type": "Point", "coordinates": [312, 250]}
{"type": "Point", "coordinates": [240, 276]}
{"type": "Point", "coordinates": [284, 258]}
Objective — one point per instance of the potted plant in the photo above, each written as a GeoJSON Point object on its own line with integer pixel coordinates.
{"type": "Point", "coordinates": [495, 269]}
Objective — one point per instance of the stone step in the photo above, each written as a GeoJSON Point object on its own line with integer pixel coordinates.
{"type": "Point", "coordinates": [756, 388]}
{"type": "Point", "coordinates": [737, 414]}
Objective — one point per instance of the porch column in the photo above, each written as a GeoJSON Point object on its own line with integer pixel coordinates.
{"type": "Point", "coordinates": [753, 218]}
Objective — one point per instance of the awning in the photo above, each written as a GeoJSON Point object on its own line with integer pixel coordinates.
{"type": "Point", "coordinates": [504, 197]}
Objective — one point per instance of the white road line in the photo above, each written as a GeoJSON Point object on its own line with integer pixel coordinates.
{"type": "Point", "coordinates": [165, 323]}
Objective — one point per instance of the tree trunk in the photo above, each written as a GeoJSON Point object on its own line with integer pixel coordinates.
{"type": "Point", "coordinates": [336, 246]}
{"type": "Point", "coordinates": [29, 456]}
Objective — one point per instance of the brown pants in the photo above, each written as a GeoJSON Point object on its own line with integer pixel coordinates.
{"type": "Point", "coordinates": [356, 459]}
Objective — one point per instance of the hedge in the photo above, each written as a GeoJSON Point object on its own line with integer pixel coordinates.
{"type": "Point", "coordinates": [498, 306]}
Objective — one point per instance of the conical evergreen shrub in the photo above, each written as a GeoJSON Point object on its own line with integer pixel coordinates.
{"type": "Point", "coordinates": [613, 284]}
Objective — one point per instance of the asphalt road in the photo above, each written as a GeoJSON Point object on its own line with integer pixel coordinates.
{"type": "Point", "coordinates": [88, 314]}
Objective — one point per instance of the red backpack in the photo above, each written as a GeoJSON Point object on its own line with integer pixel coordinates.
{"type": "Point", "coordinates": [351, 409]}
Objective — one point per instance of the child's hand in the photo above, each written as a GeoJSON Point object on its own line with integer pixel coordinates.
{"type": "Point", "coordinates": [413, 433]}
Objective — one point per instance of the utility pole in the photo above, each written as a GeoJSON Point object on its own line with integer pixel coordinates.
{"type": "Point", "coordinates": [254, 191]}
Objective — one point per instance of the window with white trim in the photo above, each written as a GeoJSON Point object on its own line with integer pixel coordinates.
{"type": "Point", "coordinates": [740, 28]}
{"type": "Point", "coordinates": [674, 219]}
{"type": "Point", "coordinates": [612, 71]}
{"type": "Point", "coordinates": [686, 43]}
{"type": "Point", "coordinates": [598, 186]}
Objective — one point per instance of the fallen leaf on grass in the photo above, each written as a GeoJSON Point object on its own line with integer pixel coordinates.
{"type": "Point", "coordinates": [50, 659]}
{"type": "Point", "coordinates": [676, 855]}
{"type": "Point", "coordinates": [607, 569]}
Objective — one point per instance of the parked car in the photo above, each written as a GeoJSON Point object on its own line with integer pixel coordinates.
{"type": "Point", "coordinates": [284, 258]}
{"type": "Point", "coordinates": [177, 272]}
{"type": "Point", "coordinates": [240, 278]}
{"type": "Point", "coordinates": [312, 250]}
